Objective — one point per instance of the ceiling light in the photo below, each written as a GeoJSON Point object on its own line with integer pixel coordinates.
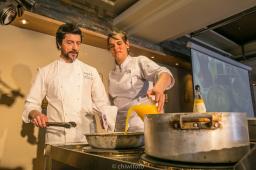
{"type": "Point", "coordinates": [177, 64]}
{"type": "Point", "coordinates": [152, 57]}
{"type": "Point", "coordinates": [24, 21]}
{"type": "Point", "coordinates": [110, 2]}
{"type": "Point", "coordinates": [28, 4]}
{"type": "Point", "coordinates": [20, 10]}
{"type": "Point", "coordinates": [8, 14]}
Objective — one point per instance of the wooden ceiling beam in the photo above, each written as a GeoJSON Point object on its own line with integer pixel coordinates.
{"type": "Point", "coordinates": [49, 26]}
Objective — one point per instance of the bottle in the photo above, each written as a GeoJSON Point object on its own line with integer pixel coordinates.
{"type": "Point", "coordinates": [199, 105]}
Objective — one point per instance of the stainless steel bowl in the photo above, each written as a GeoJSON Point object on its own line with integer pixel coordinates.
{"type": "Point", "coordinates": [116, 140]}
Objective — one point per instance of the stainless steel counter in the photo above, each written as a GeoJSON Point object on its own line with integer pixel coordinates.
{"type": "Point", "coordinates": [75, 157]}
{"type": "Point", "coordinates": [81, 156]}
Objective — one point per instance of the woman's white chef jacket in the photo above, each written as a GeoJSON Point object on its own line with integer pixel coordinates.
{"type": "Point", "coordinates": [74, 91]}
{"type": "Point", "coordinates": [129, 82]}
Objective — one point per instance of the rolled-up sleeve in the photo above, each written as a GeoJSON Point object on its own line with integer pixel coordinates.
{"type": "Point", "coordinates": [152, 71]}
{"type": "Point", "coordinates": [35, 96]}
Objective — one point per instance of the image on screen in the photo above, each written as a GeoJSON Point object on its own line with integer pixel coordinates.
{"type": "Point", "coordinates": [224, 87]}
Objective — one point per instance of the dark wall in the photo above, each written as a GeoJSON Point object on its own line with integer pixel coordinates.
{"type": "Point", "coordinates": [180, 97]}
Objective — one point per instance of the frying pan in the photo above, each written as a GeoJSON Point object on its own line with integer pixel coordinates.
{"type": "Point", "coordinates": [115, 140]}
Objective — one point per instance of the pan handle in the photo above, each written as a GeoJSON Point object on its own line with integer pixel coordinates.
{"type": "Point", "coordinates": [62, 124]}
{"type": "Point", "coordinates": [197, 121]}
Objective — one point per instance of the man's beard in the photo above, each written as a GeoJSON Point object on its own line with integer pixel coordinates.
{"type": "Point", "coordinates": [68, 56]}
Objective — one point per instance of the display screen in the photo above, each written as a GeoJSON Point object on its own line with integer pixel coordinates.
{"type": "Point", "coordinates": [225, 87]}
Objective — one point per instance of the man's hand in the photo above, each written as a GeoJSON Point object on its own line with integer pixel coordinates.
{"type": "Point", "coordinates": [38, 118]}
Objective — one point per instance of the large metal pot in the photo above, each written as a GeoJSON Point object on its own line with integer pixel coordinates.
{"type": "Point", "coordinates": [115, 140]}
{"type": "Point", "coordinates": [194, 137]}
{"type": "Point", "coordinates": [252, 128]}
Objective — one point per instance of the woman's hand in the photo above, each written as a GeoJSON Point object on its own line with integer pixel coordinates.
{"type": "Point", "coordinates": [159, 97]}
{"type": "Point", "coordinates": [160, 86]}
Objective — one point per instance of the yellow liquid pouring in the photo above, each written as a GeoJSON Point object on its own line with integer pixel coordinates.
{"type": "Point", "coordinates": [141, 110]}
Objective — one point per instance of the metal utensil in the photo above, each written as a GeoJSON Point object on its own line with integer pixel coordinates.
{"type": "Point", "coordinates": [62, 124]}
{"type": "Point", "coordinates": [116, 140]}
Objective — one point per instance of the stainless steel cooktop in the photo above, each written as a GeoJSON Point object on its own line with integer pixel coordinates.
{"type": "Point", "coordinates": [142, 160]}
{"type": "Point", "coordinates": [81, 156]}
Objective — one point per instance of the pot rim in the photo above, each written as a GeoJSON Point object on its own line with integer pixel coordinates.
{"type": "Point", "coordinates": [115, 134]}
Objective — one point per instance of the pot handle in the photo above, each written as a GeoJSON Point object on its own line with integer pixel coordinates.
{"type": "Point", "coordinates": [197, 121]}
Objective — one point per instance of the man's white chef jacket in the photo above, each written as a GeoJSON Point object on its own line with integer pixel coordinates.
{"type": "Point", "coordinates": [74, 91]}
{"type": "Point", "coordinates": [129, 82]}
